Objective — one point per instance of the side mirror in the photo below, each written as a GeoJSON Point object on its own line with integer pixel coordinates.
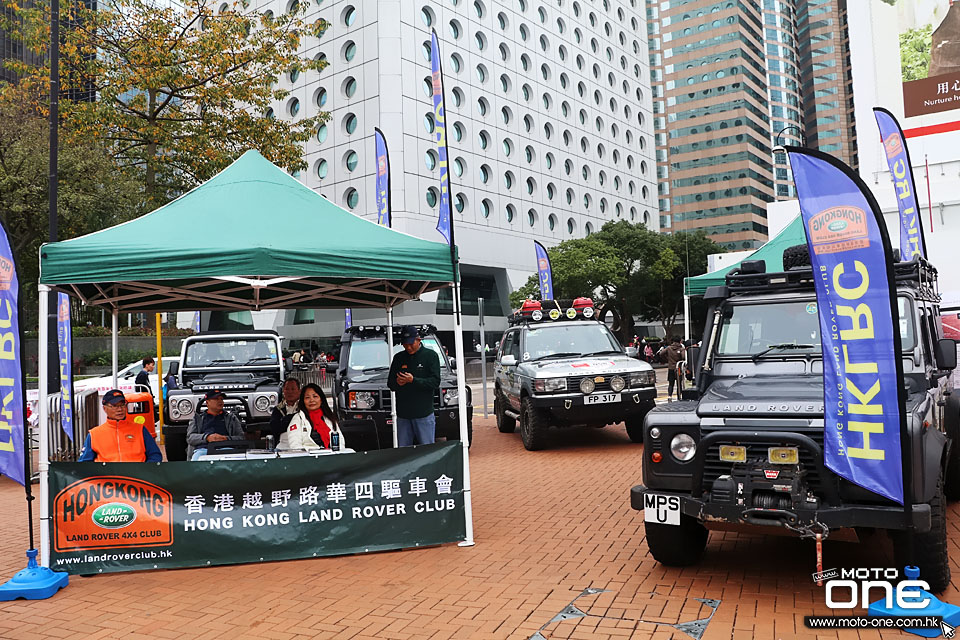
{"type": "Point", "coordinates": [946, 354]}
{"type": "Point", "coordinates": [173, 369]}
{"type": "Point", "coordinates": [287, 365]}
{"type": "Point", "coordinates": [509, 360]}
{"type": "Point", "coordinates": [632, 352]}
{"type": "Point", "coordinates": [453, 364]}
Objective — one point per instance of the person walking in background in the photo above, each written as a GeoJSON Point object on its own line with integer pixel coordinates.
{"type": "Point", "coordinates": [672, 354]}
{"type": "Point", "coordinates": [415, 377]}
{"type": "Point", "coordinates": [647, 352]}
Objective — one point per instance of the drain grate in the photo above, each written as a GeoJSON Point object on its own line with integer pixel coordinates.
{"type": "Point", "coordinates": [693, 628]}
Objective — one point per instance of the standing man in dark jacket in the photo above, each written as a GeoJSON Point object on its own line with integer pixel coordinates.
{"type": "Point", "coordinates": [415, 377]}
{"type": "Point", "coordinates": [672, 354]}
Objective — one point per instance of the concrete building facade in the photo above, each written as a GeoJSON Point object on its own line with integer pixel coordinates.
{"type": "Point", "coordinates": [549, 127]}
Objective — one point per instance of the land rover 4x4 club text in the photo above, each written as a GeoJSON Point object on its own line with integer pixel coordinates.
{"type": "Point", "coordinates": [559, 366]}
{"type": "Point", "coordinates": [748, 450]}
{"type": "Point", "coordinates": [246, 366]}
{"type": "Point", "coordinates": [363, 401]}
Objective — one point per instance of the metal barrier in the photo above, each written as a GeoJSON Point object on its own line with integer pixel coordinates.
{"type": "Point", "coordinates": [86, 415]}
{"type": "Point", "coordinates": [315, 373]}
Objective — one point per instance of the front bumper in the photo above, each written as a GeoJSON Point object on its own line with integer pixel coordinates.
{"type": "Point", "coordinates": [838, 517]}
{"type": "Point", "coordinates": [569, 408]}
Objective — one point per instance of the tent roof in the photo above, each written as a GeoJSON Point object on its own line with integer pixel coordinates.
{"type": "Point", "coordinates": [771, 253]}
{"type": "Point", "coordinates": [251, 237]}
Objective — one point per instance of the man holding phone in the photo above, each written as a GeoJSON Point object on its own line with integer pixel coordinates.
{"type": "Point", "coordinates": [415, 377]}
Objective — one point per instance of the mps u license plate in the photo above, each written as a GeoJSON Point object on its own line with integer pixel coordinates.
{"type": "Point", "coordinates": [661, 509]}
{"type": "Point", "coordinates": [601, 398]}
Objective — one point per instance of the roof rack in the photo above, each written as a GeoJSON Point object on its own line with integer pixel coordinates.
{"type": "Point", "coordinates": [375, 330]}
{"type": "Point", "coordinates": [536, 311]}
{"type": "Point", "coordinates": [799, 279]}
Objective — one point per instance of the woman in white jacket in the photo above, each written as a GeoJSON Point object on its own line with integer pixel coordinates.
{"type": "Point", "coordinates": [311, 427]}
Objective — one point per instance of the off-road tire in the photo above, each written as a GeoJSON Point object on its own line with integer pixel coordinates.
{"type": "Point", "coordinates": [930, 548]}
{"type": "Point", "coordinates": [951, 424]}
{"type": "Point", "coordinates": [635, 423]}
{"type": "Point", "coordinates": [504, 424]}
{"type": "Point", "coordinates": [533, 426]}
{"type": "Point", "coordinates": [796, 256]}
{"type": "Point", "coordinates": [677, 546]}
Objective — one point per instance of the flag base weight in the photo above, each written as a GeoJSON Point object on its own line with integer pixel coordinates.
{"type": "Point", "coordinates": [34, 582]}
{"type": "Point", "coordinates": [950, 613]}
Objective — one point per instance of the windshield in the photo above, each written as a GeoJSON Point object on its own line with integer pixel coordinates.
{"type": "Point", "coordinates": [573, 339]}
{"type": "Point", "coordinates": [231, 352]}
{"type": "Point", "coordinates": [371, 355]}
{"type": "Point", "coordinates": [750, 329]}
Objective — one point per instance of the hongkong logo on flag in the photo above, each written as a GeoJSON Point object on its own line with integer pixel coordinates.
{"type": "Point", "coordinates": [381, 166]}
{"type": "Point", "coordinates": [63, 313]}
{"type": "Point", "coordinates": [6, 274]}
{"type": "Point", "coordinates": [544, 265]}
{"type": "Point", "coordinates": [893, 146]}
{"type": "Point", "coordinates": [839, 229]}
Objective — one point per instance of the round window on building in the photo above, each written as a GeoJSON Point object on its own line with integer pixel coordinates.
{"type": "Point", "coordinates": [482, 106]}
{"type": "Point", "coordinates": [485, 208]}
{"type": "Point", "coordinates": [507, 147]}
{"type": "Point", "coordinates": [428, 122]}
{"type": "Point", "coordinates": [484, 139]}
{"type": "Point", "coordinates": [350, 123]}
{"type": "Point", "coordinates": [294, 107]}
{"type": "Point", "coordinates": [458, 167]}
{"type": "Point", "coordinates": [510, 212]}
{"type": "Point", "coordinates": [571, 226]}
{"type": "Point", "coordinates": [322, 134]}
{"type": "Point", "coordinates": [552, 222]}
{"type": "Point", "coordinates": [350, 160]}
{"type": "Point", "coordinates": [484, 174]}
{"type": "Point", "coordinates": [551, 191]}
{"type": "Point", "coordinates": [349, 16]}
{"type": "Point", "coordinates": [427, 86]}
{"type": "Point", "coordinates": [425, 50]}
{"type": "Point", "coordinates": [322, 169]}
{"type": "Point", "coordinates": [588, 229]}
{"type": "Point", "coordinates": [457, 132]}
{"type": "Point", "coordinates": [430, 159]}
{"type": "Point", "coordinates": [349, 87]}
{"type": "Point", "coordinates": [460, 203]}
{"type": "Point", "coordinates": [350, 51]}
{"type": "Point", "coordinates": [427, 16]}
{"type": "Point", "coordinates": [508, 180]}
{"type": "Point", "coordinates": [531, 217]}
{"type": "Point", "coordinates": [456, 63]}
{"type": "Point", "coordinates": [352, 199]}
{"type": "Point", "coordinates": [294, 74]}
{"type": "Point", "coordinates": [321, 98]}
{"type": "Point", "coordinates": [432, 197]}
{"type": "Point", "coordinates": [455, 30]}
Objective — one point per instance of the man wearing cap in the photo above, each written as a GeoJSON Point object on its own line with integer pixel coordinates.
{"type": "Point", "coordinates": [214, 425]}
{"type": "Point", "coordinates": [121, 438]}
{"type": "Point", "coordinates": [415, 377]}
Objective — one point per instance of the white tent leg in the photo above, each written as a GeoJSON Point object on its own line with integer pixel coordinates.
{"type": "Point", "coordinates": [114, 345]}
{"type": "Point", "coordinates": [393, 395]}
{"type": "Point", "coordinates": [686, 317]}
{"type": "Point", "coordinates": [44, 419]}
{"type": "Point", "coordinates": [462, 407]}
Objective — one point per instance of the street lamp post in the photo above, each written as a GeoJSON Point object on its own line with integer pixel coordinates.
{"type": "Point", "coordinates": [779, 149]}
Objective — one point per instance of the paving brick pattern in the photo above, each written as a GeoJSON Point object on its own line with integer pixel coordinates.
{"type": "Point", "coordinates": [549, 525]}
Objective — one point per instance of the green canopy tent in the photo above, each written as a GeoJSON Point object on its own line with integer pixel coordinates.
{"type": "Point", "coordinates": [252, 237]}
{"type": "Point", "coordinates": [771, 253]}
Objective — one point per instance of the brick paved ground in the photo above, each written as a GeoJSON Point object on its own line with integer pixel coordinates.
{"type": "Point", "coordinates": [549, 525]}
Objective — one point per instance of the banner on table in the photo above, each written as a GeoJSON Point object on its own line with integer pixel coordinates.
{"type": "Point", "coordinates": [898, 160]}
{"type": "Point", "coordinates": [545, 275]}
{"type": "Point", "coordinates": [347, 318]}
{"type": "Point", "coordinates": [382, 180]}
{"type": "Point", "coordinates": [851, 259]}
{"type": "Point", "coordinates": [444, 222]}
{"type": "Point", "coordinates": [127, 517]}
{"type": "Point", "coordinates": [12, 415]}
{"type": "Point", "coordinates": [65, 350]}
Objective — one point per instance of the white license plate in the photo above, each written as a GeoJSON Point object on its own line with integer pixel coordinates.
{"type": "Point", "coordinates": [601, 398]}
{"type": "Point", "coordinates": [661, 509]}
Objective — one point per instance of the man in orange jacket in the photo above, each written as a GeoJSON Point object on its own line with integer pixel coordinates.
{"type": "Point", "coordinates": [120, 438]}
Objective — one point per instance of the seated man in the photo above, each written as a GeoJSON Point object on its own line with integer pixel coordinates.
{"type": "Point", "coordinates": [214, 425]}
{"type": "Point", "coordinates": [288, 407]}
{"type": "Point", "coordinates": [121, 438]}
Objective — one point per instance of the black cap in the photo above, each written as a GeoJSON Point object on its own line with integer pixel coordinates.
{"type": "Point", "coordinates": [408, 334]}
{"type": "Point", "coordinates": [215, 393]}
{"type": "Point", "coordinates": [114, 396]}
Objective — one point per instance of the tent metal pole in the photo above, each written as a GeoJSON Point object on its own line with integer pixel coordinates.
{"type": "Point", "coordinates": [686, 317]}
{"type": "Point", "coordinates": [43, 404]}
{"type": "Point", "coordinates": [462, 410]}
{"type": "Point", "coordinates": [114, 344]}
{"type": "Point", "coordinates": [393, 395]}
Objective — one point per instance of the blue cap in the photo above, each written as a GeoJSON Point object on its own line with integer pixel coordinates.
{"type": "Point", "coordinates": [115, 396]}
{"type": "Point", "coordinates": [409, 334]}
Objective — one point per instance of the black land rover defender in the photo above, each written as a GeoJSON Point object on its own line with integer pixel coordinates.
{"type": "Point", "coordinates": [361, 397]}
{"type": "Point", "coordinates": [746, 445]}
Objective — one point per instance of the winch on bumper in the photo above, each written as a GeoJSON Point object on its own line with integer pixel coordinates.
{"type": "Point", "coordinates": [756, 491]}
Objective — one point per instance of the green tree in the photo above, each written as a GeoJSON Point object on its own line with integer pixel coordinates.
{"type": "Point", "coordinates": [181, 92]}
{"type": "Point", "coordinates": [93, 193]}
{"type": "Point", "coordinates": [915, 52]}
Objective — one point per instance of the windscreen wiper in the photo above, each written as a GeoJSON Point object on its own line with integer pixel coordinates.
{"type": "Point", "coordinates": [784, 345]}
{"type": "Point", "coordinates": [257, 359]}
{"type": "Point", "coordinates": [602, 353]}
{"type": "Point", "coordinates": [559, 354]}
{"type": "Point", "coordinates": [221, 361]}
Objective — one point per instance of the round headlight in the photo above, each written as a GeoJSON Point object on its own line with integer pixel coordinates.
{"type": "Point", "coordinates": [262, 403]}
{"type": "Point", "coordinates": [571, 313]}
{"type": "Point", "coordinates": [617, 384]}
{"type": "Point", "coordinates": [655, 432]}
{"type": "Point", "coordinates": [683, 447]}
{"type": "Point", "coordinates": [588, 312]}
{"type": "Point", "coordinates": [554, 314]}
{"type": "Point", "coordinates": [184, 406]}
{"type": "Point", "coordinates": [587, 385]}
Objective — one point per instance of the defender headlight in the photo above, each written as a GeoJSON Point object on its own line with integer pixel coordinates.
{"type": "Point", "coordinates": [617, 384]}
{"type": "Point", "coordinates": [550, 384]}
{"type": "Point", "coordinates": [643, 379]}
{"type": "Point", "coordinates": [451, 397]}
{"type": "Point", "coordinates": [587, 385]}
{"type": "Point", "coordinates": [683, 447]}
{"type": "Point", "coordinates": [184, 406]}
{"type": "Point", "coordinates": [361, 400]}
{"type": "Point", "coordinates": [262, 403]}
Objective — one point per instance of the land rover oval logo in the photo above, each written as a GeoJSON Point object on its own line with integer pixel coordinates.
{"type": "Point", "coordinates": [837, 225]}
{"type": "Point", "coordinates": [114, 515]}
